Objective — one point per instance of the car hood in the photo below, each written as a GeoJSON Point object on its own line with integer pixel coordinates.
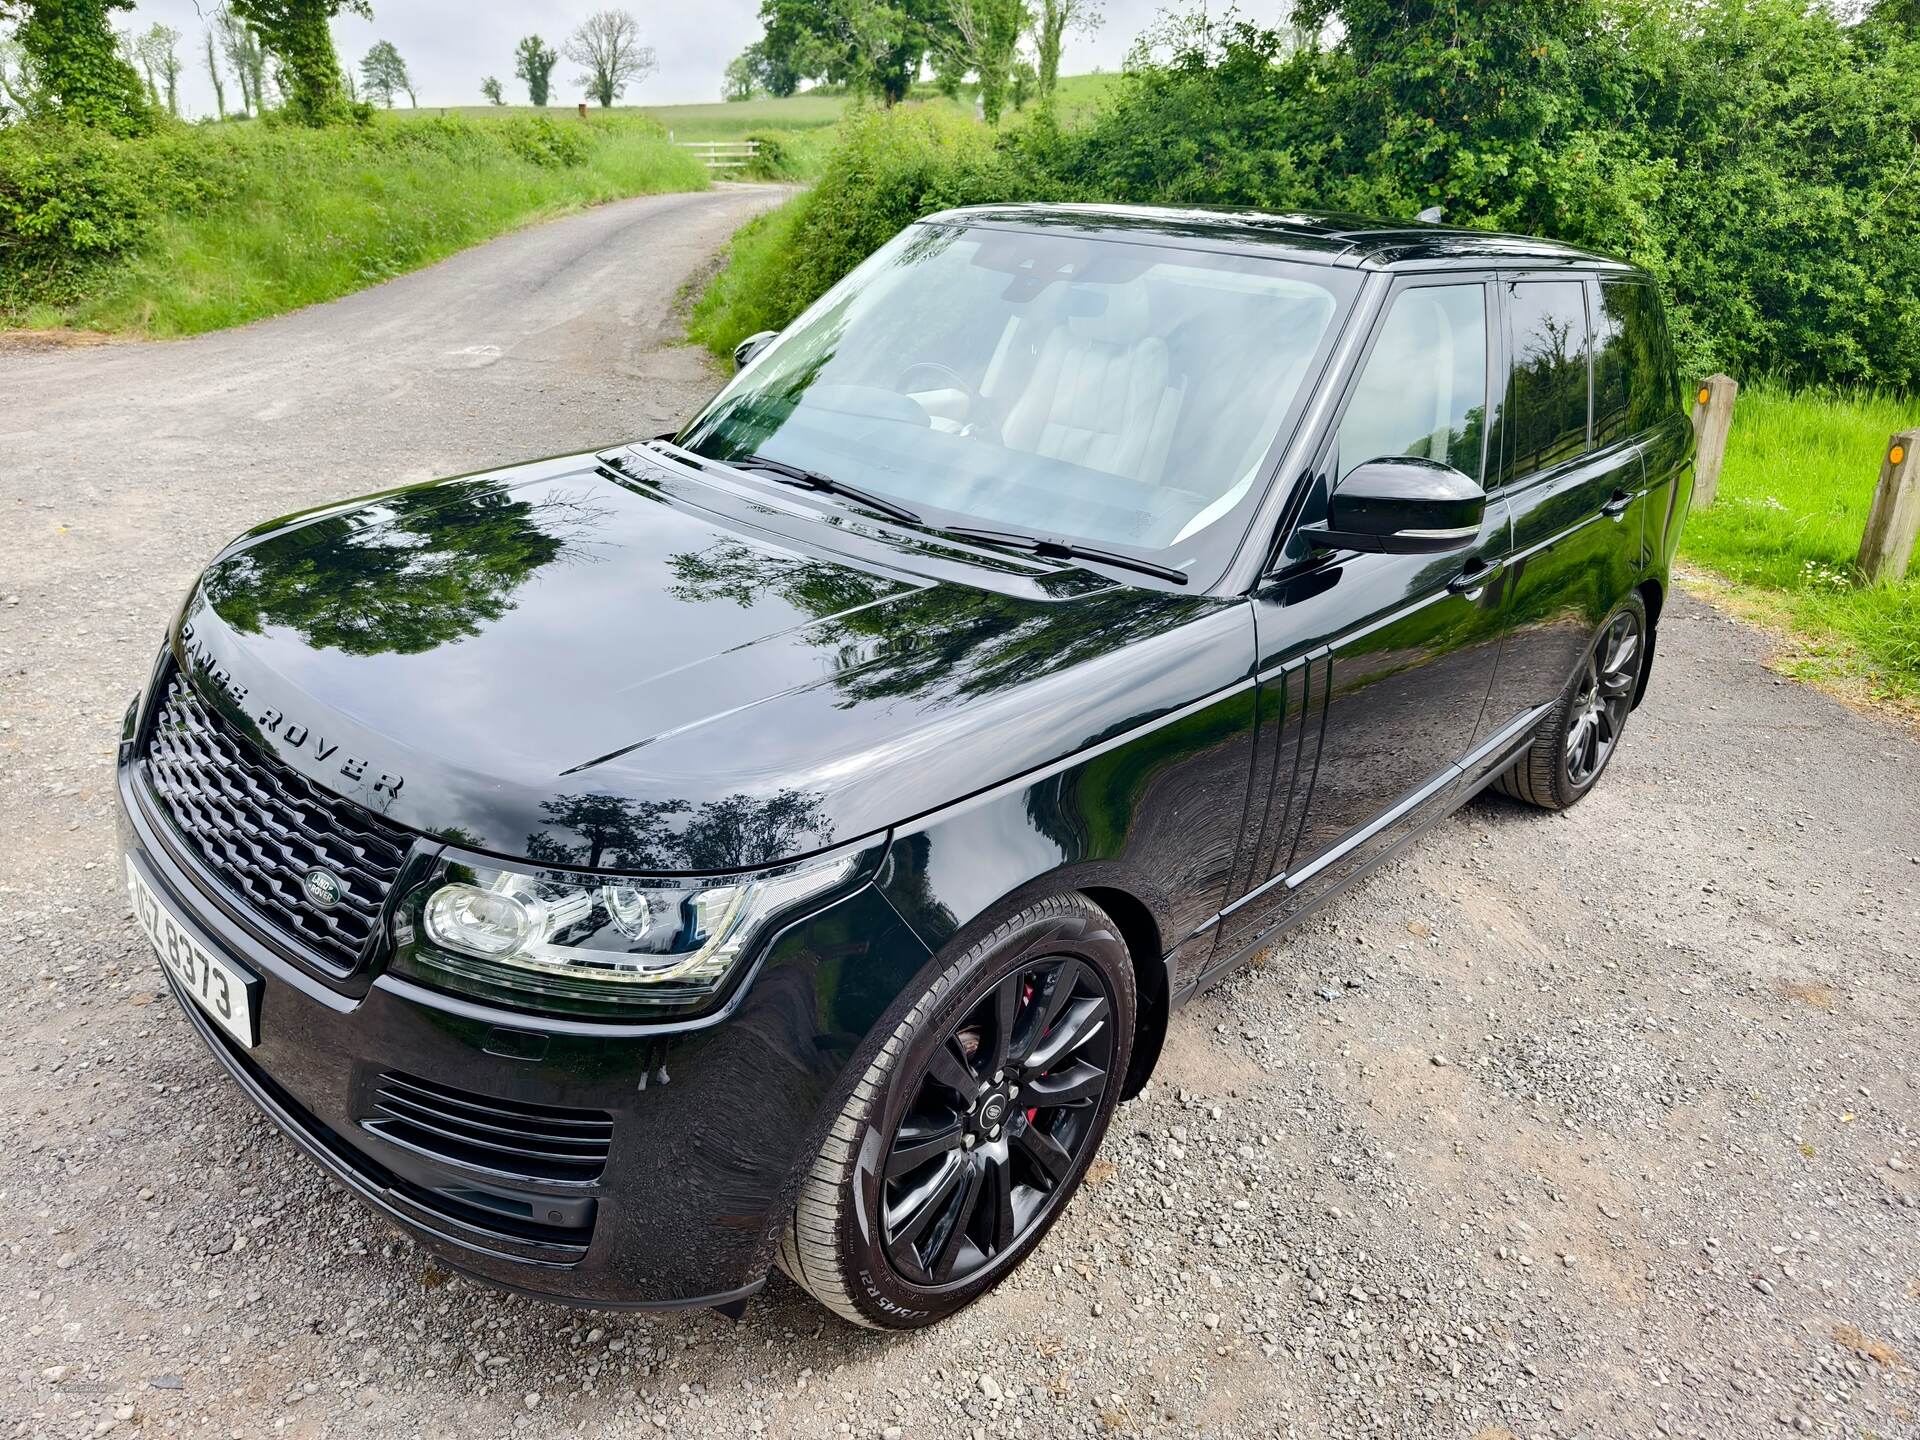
{"type": "Point", "coordinates": [629, 663]}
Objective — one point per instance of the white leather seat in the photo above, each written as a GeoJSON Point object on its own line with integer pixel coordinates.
{"type": "Point", "coordinates": [1100, 394]}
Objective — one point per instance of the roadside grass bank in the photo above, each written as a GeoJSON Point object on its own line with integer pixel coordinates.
{"type": "Point", "coordinates": [198, 228]}
{"type": "Point", "coordinates": [1780, 540]}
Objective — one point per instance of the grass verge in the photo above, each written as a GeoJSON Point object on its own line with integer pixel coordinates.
{"type": "Point", "coordinates": [196, 229]}
{"type": "Point", "coordinates": [1780, 539]}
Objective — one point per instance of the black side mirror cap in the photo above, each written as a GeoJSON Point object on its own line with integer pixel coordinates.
{"type": "Point", "coordinates": [744, 352]}
{"type": "Point", "coordinates": [1403, 506]}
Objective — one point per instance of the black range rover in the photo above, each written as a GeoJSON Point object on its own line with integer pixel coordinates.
{"type": "Point", "coordinates": [785, 842]}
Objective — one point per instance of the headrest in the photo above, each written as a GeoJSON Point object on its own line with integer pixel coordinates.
{"type": "Point", "coordinates": [1108, 314]}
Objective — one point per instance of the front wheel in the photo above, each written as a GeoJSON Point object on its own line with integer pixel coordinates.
{"type": "Point", "coordinates": [1579, 735]}
{"type": "Point", "coordinates": [969, 1131]}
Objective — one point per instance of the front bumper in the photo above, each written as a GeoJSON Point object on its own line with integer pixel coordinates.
{"type": "Point", "coordinates": [713, 1119]}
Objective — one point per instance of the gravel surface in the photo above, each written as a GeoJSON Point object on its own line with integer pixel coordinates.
{"type": "Point", "coordinates": [1601, 1124]}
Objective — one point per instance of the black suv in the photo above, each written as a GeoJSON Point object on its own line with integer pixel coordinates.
{"type": "Point", "coordinates": [785, 842]}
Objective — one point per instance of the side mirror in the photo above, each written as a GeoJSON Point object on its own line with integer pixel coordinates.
{"type": "Point", "coordinates": [744, 352]}
{"type": "Point", "coordinates": [1403, 506]}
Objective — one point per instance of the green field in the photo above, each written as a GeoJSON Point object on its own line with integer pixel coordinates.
{"type": "Point", "coordinates": [1785, 529]}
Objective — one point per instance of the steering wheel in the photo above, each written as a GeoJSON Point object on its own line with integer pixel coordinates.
{"type": "Point", "coordinates": [980, 413]}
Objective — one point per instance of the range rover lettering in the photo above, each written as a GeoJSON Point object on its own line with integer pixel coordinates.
{"type": "Point", "coordinates": [785, 843]}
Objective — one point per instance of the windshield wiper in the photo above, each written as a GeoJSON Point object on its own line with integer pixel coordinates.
{"type": "Point", "coordinates": [825, 484]}
{"type": "Point", "coordinates": [1066, 550]}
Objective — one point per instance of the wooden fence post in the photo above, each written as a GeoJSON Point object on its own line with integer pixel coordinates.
{"type": "Point", "coordinates": [1887, 547]}
{"type": "Point", "coordinates": [583, 109]}
{"type": "Point", "coordinates": [1712, 420]}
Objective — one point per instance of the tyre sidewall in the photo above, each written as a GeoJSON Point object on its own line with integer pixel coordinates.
{"type": "Point", "coordinates": [1047, 931]}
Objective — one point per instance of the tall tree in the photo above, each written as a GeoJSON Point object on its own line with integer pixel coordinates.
{"type": "Point", "coordinates": [68, 47]}
{"type": "Point", "coordinates": [607, 45]}
{"type": "Point", "coordinates": [213, 74]}
{"type": "Point", "coordinates": [738, 81]}
{"type": "Point", "coordinates": [987, 33]}
{"type": "Point", "coordinates": [873, 46]}
{"type": "Point", "coordinates": [1051, 22]}
{"type": "Point", "coordinates": [159, 50]}
{"type": "Point", "coordinates": [384, 73]}
{"type": "Point", "coordinates": [533, 62]}
{"type": "Point", "coordinates": [247, 57]}
{"type": "Point", "coordinates": [299, 35]}
{"type": "Point", "coordinates": [490, 87]}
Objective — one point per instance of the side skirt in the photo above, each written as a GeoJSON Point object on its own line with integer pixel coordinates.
{"type": "Point", "coordinates": [1476, 772]}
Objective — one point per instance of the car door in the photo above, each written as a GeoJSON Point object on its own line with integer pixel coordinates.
{"type": "Point", "coordinates": [1373, 669]}
{"type": "Point", "coordinates": [1575, 489]}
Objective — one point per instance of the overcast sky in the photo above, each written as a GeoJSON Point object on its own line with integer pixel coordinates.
{"type": "Point", "coordinates": [450, 44]}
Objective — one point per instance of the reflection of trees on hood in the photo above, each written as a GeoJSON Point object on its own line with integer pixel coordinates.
{"type": "Point", "coordinates": [728, 834]}
{"type": "Point", "coordinates": [939, 642]}
{"type": "Point", "coordinates": [408, 573]}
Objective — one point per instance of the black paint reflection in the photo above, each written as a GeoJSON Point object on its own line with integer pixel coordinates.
{"type": "Point", "coordinates": [733, 833]}
{"type": "Point", "coordinates": [408, 573]}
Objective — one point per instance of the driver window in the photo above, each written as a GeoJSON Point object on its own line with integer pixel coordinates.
{"type": "Point", "coordinates": [1423, 392]}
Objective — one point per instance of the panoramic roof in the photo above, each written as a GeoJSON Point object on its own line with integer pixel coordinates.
{"type": "Point", "coordinates": [1344, 239]}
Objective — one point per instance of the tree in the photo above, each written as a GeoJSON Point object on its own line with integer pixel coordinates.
{"type": "Point", "coordinates": [490, 87]}
{"type": "Point", "coordinates": [987, 33]}
{"type": "Point", "coordinates": [68, 49]}
{"type": "Point", "coordinates": [299, 35]}
{"type": "Point", "coordinates": [1051, 22]}
{"type": "Point", "coordinates": [385, 73]}
{"type": "Point", "coordinates": [770, 72]}
{"type": "Point", "coordinates": [213, 74]}
{"type": "Point", "coordinates": [244, 53]}
{"type": "Point", "coordinates": [873, 46]}
{"type": "Point", "coordinates": [737, 83]}
{"type": "Point", "coordinates": [533, 62]}
{"type": "Point", "coordinates": [608, 45]}
{"type": "Point", "coordinates": [159, 51]}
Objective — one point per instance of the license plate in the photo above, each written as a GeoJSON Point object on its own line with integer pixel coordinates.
{"type": "Point", "coordinates": [227, 993]}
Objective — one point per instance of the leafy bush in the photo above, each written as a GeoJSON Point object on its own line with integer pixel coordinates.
{"type": "Point", "coordinates": [1756, 156]}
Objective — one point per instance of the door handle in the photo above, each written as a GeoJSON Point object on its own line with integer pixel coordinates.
{"type": "Point", "coordinates": [1477, 573]}
{"type": "Point", "coordinates": [1618, 504]}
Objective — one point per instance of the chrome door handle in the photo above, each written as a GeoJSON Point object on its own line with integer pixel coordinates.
{"type": "Point", "coordinates": [1477, 573]}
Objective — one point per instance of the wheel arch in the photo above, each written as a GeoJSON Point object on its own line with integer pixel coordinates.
{"type": "Point", "coordinates": [1141, 931]}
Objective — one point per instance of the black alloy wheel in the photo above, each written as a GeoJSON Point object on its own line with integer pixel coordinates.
{"type": "Point", "coordinates": [1602, 695]}
{"type": "Point", "coordinates": [1579, 735]}
{"type": "Point", "coordinates": [974, 1123]}
{"type": "Point", "coordinates": [1005, 1108]}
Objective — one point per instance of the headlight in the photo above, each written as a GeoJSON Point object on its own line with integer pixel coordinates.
{"type": "Point", "coordinates": [618, 940]}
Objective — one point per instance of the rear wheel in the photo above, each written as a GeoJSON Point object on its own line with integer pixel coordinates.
{"type": "Point", "coordinates": [970, 1130]}
{"type": "Point", "coordinates": [1579, 735]}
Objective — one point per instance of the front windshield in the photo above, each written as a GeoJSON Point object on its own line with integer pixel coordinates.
{"type": "Point", "coordinates": [1102, 391]}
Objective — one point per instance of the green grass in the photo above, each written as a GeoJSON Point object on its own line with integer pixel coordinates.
{"type": "Point", "coordinates": [1785, 530]}
{"type": "Point", "coordinates": [247, 220]}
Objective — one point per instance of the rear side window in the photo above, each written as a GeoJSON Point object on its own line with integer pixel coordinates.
{"type": "Point", "coordinates": [1633, 373]}
{"type": "Point", "coordinates": [1547, 413]}
{"type": "Point", "coordinates": [1424, 389]}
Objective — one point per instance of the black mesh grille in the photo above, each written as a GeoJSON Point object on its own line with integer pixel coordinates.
{"type": "Point", "coordinates": [508, 1137]}
{"type": "Point", "coordinates": [261, 828]}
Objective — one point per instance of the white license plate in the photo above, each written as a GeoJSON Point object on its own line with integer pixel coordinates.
{"type": "Point", "coordinates": [225, 991]}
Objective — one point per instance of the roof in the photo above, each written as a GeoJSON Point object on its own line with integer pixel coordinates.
{"type": "Point", "coordinates": [1330, 238]}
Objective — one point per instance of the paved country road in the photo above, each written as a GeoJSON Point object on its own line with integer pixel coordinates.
{"type": "Point", "coordinates": [1601, 1124]}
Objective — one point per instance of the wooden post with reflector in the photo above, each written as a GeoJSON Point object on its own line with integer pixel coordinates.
{"type": "Point", "coordinates": [1887, 547]}
{"type": "Point", "coordinates": [1712, 422]}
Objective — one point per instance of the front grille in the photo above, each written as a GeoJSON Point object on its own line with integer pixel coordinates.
{"type": "Point", "coordinates": [506, 1137]}
{"type": "Point", "coordinates": [261, 827]}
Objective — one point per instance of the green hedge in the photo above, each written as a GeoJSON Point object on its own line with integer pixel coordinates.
{"type": "Point", "coordinates": [193, 227]}
{"type": "Point", "coordinates": [1757, 156]}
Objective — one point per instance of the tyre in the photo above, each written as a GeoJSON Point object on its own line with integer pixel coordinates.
{"type": "Point", "coordinates": [1577, 738]}
{"type": "Point", "coordinates": [973, 1126]}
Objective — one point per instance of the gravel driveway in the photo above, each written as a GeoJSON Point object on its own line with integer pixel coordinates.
{"type": "Point", "coordinates": [1601, 1124]}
